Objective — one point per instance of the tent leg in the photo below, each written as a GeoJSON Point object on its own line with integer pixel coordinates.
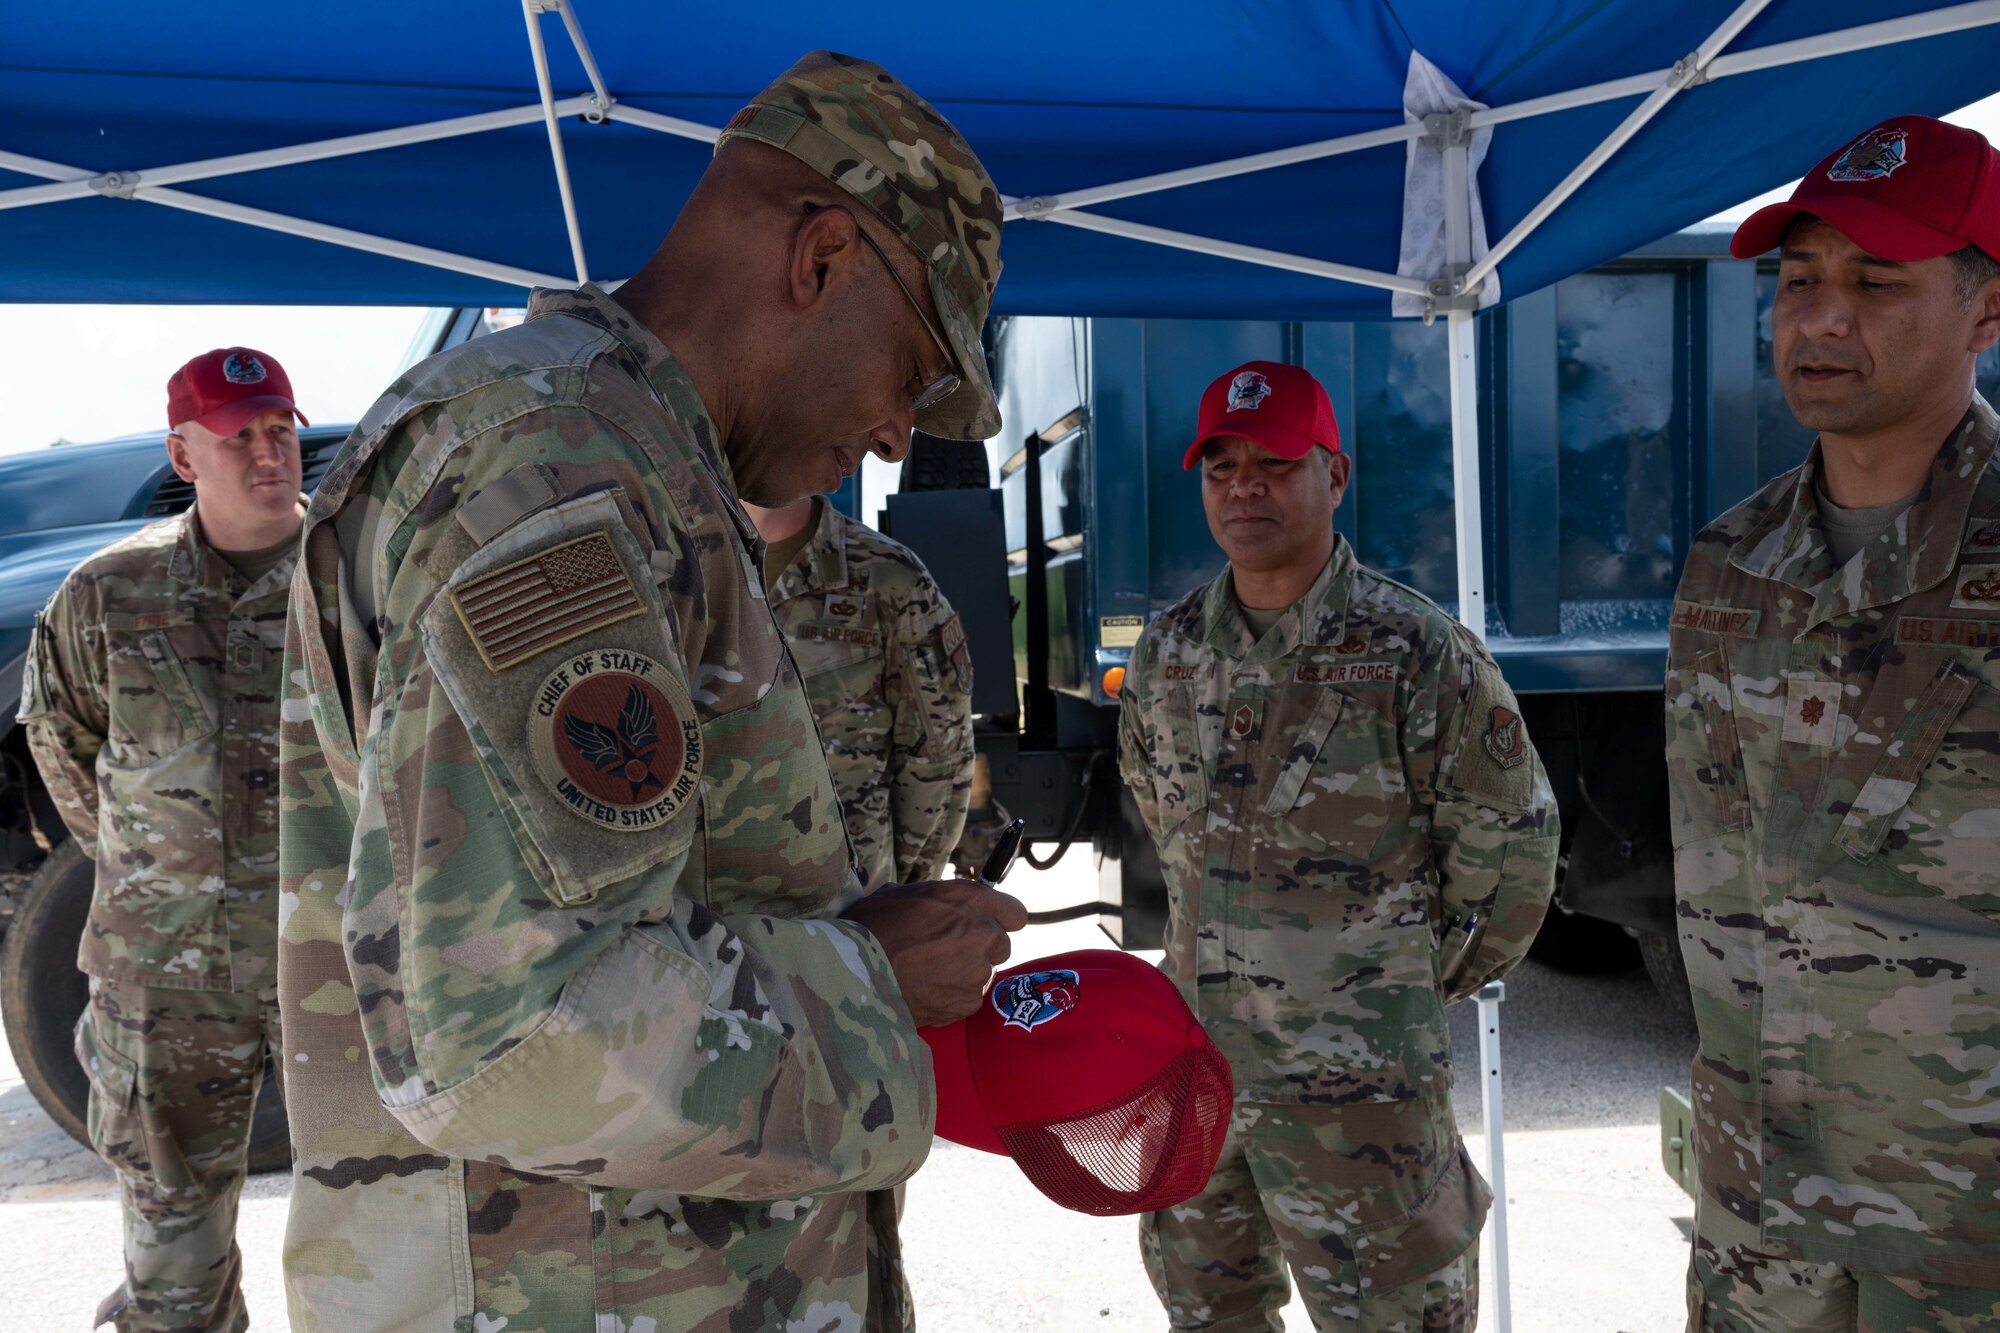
{"type": "Point", "coordinates": [1462, 344]}
{"type": "Point", "coordinates": [1490, 997]}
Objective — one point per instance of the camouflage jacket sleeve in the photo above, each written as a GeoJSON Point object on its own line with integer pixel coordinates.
{"type": "Point", "coordinates": [63, 708]}
{"type": "Point", "coordinates": [540, 974]}
{"type": "Point", "coordinates": [929, 691]}
{"type": "Point", "coordinates": [1494, 828]}
{"type": "Point", "coordinates": [1134, 763]}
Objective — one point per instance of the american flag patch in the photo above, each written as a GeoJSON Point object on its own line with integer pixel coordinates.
{"type": "Point", "coordinates": [554, 596]}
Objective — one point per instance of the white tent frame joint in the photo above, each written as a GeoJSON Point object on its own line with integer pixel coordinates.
{"type": "Point", "coordinates": [116, 184]}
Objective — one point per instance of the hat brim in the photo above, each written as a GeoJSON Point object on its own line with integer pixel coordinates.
{"type": "Point", "coordinates": [961, 1114]}
{"type": "Point", "coordinates": [969, 412]}
{"type": "Point", "coordinates": [1882, 232]}
{"type": "Point", "coordinates": [232, 417]}
{"type": "Point", "coordinates": [1260, 430]}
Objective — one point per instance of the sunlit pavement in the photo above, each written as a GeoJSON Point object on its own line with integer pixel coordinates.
{"type": "Point", "coordinates": [1597, 1232]}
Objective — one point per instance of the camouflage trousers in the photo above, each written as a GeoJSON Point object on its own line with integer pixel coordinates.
{"type": "Point", "coordinates": [1737, 1289]}
{"type": "Point", "coordinates": [173, 1082]}
{"type": "Point", "coordinates": [1374, 1208]}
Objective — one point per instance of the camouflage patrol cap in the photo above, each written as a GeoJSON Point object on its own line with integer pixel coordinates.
{"type": "Point", "coordinates": [864, 130]}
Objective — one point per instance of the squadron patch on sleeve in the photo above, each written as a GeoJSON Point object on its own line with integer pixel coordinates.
{"type": "Point", "coordinates": [548, 599]}
{"type": "Point", "coordinates": [615, 737]}
{"type": "Point", "coordinates": [1504, 739]}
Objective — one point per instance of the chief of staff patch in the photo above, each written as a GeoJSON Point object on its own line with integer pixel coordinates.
{"type": "Point", "coordinates": [616, 739]}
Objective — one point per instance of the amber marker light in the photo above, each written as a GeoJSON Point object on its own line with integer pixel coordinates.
{"type": "Point", "coordinates": [1114, 681]}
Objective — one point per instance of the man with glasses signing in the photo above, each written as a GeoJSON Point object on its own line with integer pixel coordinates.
{"type": "Point", "coordinates": [590, 1024]}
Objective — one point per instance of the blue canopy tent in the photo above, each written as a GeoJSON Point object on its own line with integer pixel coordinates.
{"type": "Point", "coordinates": [1269, 158]}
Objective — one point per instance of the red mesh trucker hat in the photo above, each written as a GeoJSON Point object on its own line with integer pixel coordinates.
{"type": "Point", "coordinates": [1281, 407]}
{"type": "Point", "coordinates": [1912, 188]}
{"type": "Point", "coordinates": [1089, 1070]}
{"type": "Point", "coordinates": [228, 388]}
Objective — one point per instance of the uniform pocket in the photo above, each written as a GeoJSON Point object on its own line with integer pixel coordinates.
{"type": "Point", "coordinates": [1709, 795]}
{"type": "Point", "coordinates": [1180, 772]}
{"type": "Point", "coordinates": [1431, 1234]}
{"type": "Point", "coordinates": [1301, 758]}
{"type": "Point", "coordinates": [122, 1127]}
{"type": "Point", "coordinates": [1931, 809]}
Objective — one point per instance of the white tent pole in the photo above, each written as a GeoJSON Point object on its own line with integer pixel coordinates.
{"type": "Point", "coordinates": [77, 185]}
{"type": "Point", "coordinates": [531, 12]}
{"type": "Point", "coordinates": [1911, 27]}
{"type": "Point", "coordinates": [1041, 205]}
{"type": "Point", "coordinates": [352, 240]}
{"type": "Point", "coordinates": [279, 222]}
{"type": "Point", "coordinates": [653, 120]}
{"type": "Point", "coordinates": [1468, 512]}
{"type": "Point", "coordinates": [1493, 1114]}
{"type": "Point", "coordinates": [590, 69]}
{"type": "Point", "coordinates": [37, 166]}
{"type": "Point", "coordinates": [1690, 71]}
{"type": "Point", "coordinates": [1249, 254]}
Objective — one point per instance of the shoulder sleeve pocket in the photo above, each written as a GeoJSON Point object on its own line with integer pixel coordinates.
{"type": "Point", "coordinates": [1492, 759]}
{"type": "Point", "coordinates": [551, 645]}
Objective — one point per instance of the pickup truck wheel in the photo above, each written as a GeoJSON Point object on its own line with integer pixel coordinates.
{"type": "Point", "coordinates": [937, 464]}
{"type": "Point", "coordinates": [42, 994]}
{"type": "Point", "coordinates": [1572, 942]}
{"type": "Point", "coordinates": [1667, 970]}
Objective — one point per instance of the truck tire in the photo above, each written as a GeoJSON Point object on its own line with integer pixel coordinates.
{"type": "Point", "coordinates": [42, 994]}
{"type": "Point", "coordinates": [1571, 942]}
{"type": "Point", "coordinates": [1667, 970]}
{"type": "Point", "coordinates": [937, 464]}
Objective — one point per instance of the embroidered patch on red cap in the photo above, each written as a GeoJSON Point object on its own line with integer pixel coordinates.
{"type": "Point", "coordinates": [615, 736]}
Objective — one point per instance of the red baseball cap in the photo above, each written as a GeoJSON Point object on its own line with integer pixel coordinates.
{"type": "Point", "coordinates": [1280, 407]}
{"type": "Point", "coordinates": [227, 388]}
{"type": "Point", "coordinates": [1089, 1070]}
{"type": "Point", "coordinates": [1912, 188]}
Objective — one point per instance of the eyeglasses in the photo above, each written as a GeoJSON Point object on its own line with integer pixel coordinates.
{"type": "Point", "coordinates": [934, 391]}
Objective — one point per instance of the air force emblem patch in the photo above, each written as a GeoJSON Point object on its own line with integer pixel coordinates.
{"type": "Point", "coordinates": [243, 368]}
{"type": "Point", "coordinates": [616, 738]}
{"type": "Point", "coordinates": [1873, 157]}
{"type": "Point", "coordinates": [1031, 999]}
{"type": "Point", "coordinates": [1248, 391]}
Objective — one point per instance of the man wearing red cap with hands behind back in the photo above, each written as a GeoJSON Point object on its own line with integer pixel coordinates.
{"type": "Point", "coordinates": [1833, 750]}
{"type": "Point", "coordinates": [1355, 831]}
{"type": "Point", "coordinates": [151, 706]}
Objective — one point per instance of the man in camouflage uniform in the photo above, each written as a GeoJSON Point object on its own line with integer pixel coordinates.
{"type": "Point", "coordinates": [151, 707]}
{"type": "Point", "coordinates": [1355, 832]}
{"type": "Point", "coordinates": [885, 667]}
{"type": "Point", "coordinates": [588, 1025]}
{"type": "Point", "coordinates": [1833, 746]}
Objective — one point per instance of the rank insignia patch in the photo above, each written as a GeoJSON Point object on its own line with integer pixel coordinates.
{"type": "Point", "coordinates": [1504, 741]}
{"type": "Point", "coordinates": [615, 737]}
{"type": "Point", "coordinates": [1812, 711]}
{"type": "Point", "coordinates": [518, 610]}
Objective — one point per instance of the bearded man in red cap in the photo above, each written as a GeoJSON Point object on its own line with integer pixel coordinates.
{"type": "Point", "coordinates": [151, 706]}
{"type": "Point", "coordinates": [1833, 747]}
{"type": "Point", "coordinates": [1355, 831]}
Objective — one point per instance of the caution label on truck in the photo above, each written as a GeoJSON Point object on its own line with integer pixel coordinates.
{"type": "Point", "coordinates": [1119, 631]}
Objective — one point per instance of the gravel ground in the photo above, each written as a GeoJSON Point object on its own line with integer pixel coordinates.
{"type": "Point", "coordinates": [1597, 1233]}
